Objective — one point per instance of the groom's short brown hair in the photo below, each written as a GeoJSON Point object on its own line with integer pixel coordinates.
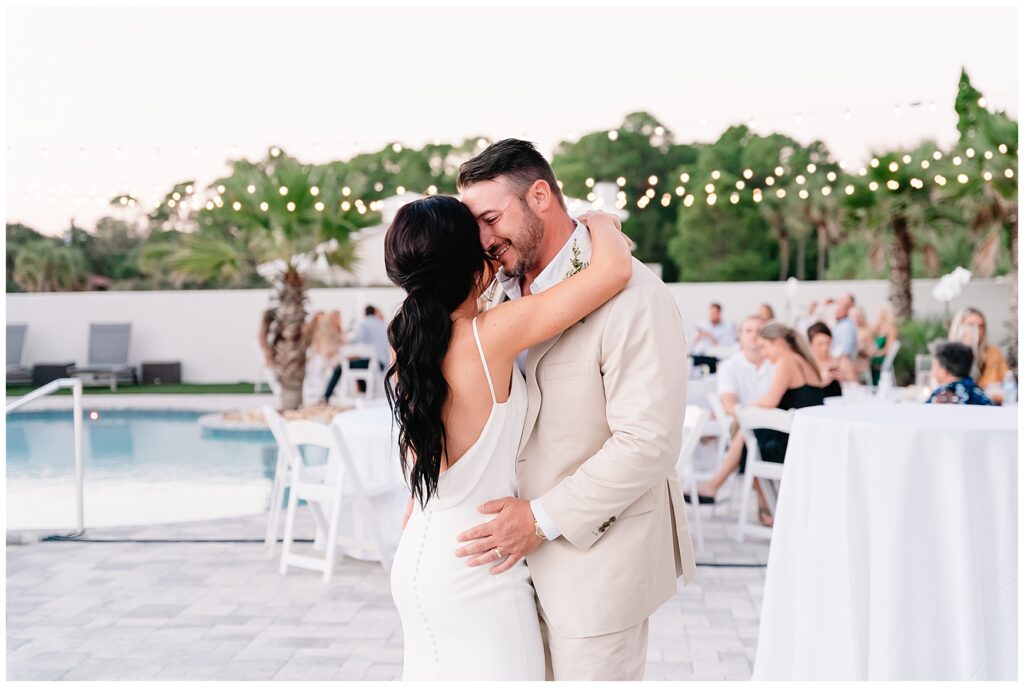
{"type": "Point", "coordinates": [514, 159]}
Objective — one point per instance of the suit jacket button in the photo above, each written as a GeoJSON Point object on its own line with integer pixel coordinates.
{"type": "Point", "coordinates": [613, 519]}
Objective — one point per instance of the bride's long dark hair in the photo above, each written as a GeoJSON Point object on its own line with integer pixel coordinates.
{"type": "Point", "coordinates": [432, 251]}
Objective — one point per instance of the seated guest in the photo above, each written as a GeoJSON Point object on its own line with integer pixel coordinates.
{"type": "Point", "coordinates": [797, 383]}
{"type": "Point", "coordinates": [951, 368]}
{"type": "Point", "coordinates": [884, 333]}
{"type": "Point", "coordinates": [743, 378]}
{"type": "Point", "coordinates": [833, 370]}
{"type": "Point", "coordinates": [713, 332]}
{"type": "Point", "coordinates": [766, 312]}
{"type": "Point", "coordinates": [372, 330]}
{"type": "Point", "coordinates": [969, 328]}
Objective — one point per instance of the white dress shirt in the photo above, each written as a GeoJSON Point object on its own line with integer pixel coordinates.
{"type": "Point", "coordinates": [724, 333]}
{"type": "Point", "coordinates": [737, 375]}
{"type": "Point", "coordinates": [560, 267]}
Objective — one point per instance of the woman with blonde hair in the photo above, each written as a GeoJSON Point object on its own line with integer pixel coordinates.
{"type": "Point", "coordinates": [865, 340]}
{"type": "Point", "coordinates": [796, 383]}
{"type": "Point", "coordinates": [969, 328]}
{"type": "Point", "coordinates": [884, 332]}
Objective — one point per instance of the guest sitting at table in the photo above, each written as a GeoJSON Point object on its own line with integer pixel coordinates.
{"type": "Point", "coordinates": [713, 332]}
{"type": "Point", "coordinates": [970, 329]}
{"type": "Point", "coordinates": [766, 312]}
{"type": "Point", "coordinates": [951, 368]}
{"type": "Point", "coordinates": [796, 384]}
{"type": "Point", "coordinates": [743, 378]}
{"type": "Point", "coordinates": [833, 370]}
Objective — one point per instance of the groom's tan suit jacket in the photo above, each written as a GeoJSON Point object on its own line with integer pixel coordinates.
{"type": "Point", "coordinates": [600, 447]}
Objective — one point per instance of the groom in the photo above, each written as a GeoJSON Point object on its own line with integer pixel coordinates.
{"type": "Point", "coordinates": [600, 518]}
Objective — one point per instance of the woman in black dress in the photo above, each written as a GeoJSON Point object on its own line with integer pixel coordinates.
{"type": "Point", "coordinates": [797, 383]}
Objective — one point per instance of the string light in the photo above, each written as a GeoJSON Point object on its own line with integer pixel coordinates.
{"type": "Point", "coordinates": [892, 184]}
{"type": "Point", "coordinates": [236, 206]}
{"type": "Point", "coordinates": [1003, 148]}
{"type": "Point", "coordinates": [987, 175]}
{"type": "Point", "coordinates": [769, 181]}
{"type": "Point", "coordinates": [680, 191]}
{"type": "Point", "coordinates": [264, 206]}
{"type": "Point", "coordinates": [739, 184]}
{"type": "Point", "coordinates": [962, 178]}
{"type": "Point", "coordinates": [779, 171]}
{"type": "Point", "coordinates": [800, 179]}
{"type": "Point", "coordinates": [251, 188]}
{"type": "Point", "coordinates": [712, 198]}
{"type": "Point", "coordinates": [684, 177]}
{"type": "Point", "coordinates": [803, 194]}
{"type": "Point", "coordinates": [940, 180]}
{"type": "Point", "coordinates": [283, 190]}
{"type": "Point", "coordinates": [873, 185]}
{"type": "Point", "coordinates": [709, 188]}
{"type": "Point", "coordinates": [319, 206]}
{"type": "Point", "coordinates": [925, 164]}
{"type": "Point", "coordinates": [589, 182]}
{"type": "Point", "coordinates": [621, 181]}
{"type": "Point", "coordinates": [826, 191]}
{"type": "Point", "coordinates": [652, 180]}
{"type": "Point", "coordinates": [1008, 173]}
{"type": "Point", "coordinates": [747, 173]}
{"type": "Point", "coordinates": [734, 198]}
{"type": "Point", "coordinates": [716, 175]}
{"type": "Point", "coordinates": [314, 190]}
{"type": "Point", "coordinates": [849, 189]}
{"type": "Point", "coordinates": [613, 135]}
{"type": "Point", "coordinates": [893, 166]}
{"type": "Point", "coordinates": [688, 201]}
{"type": "Point", "coordinates": [906, 159]}
{"type": "Point", "coordinates": [969, 152]}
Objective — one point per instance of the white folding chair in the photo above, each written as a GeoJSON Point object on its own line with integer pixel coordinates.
{"type": "Point", "coordinates": [890, 357]}
{"type": "Point", "coordinates": [324, 496]}
{"type": "Point", "coordinates": [693, 426]}
{"type": "Point", "coordinates": [282, 475]}
{"type": "Point", "coordinates": [757, 468]}
{"type": "Point", "coordinates": [721, 418]}
{"type": "Point", "coordinates": [370, 375]}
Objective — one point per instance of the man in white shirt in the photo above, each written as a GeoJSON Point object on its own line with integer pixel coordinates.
{"type": "Point", "coordinates": [713, 333]}
{"type": "Point", "coordinates": [742, 379]}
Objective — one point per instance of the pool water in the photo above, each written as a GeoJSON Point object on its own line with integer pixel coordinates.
{"type": "Point", "coordinates": [141, 467]}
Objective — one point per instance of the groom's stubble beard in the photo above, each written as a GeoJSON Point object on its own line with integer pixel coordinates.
{"type": "Point", "coordinates": [527, 243]}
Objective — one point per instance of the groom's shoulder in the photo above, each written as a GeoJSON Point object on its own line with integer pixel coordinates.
{"type": "Point", "coordinates": [644, 285]}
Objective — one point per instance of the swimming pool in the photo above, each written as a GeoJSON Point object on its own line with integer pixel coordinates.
{"type": "Point", "coordinates": [141, 467]}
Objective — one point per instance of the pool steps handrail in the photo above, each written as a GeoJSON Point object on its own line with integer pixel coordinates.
{"type": "Point", "coordinates": [76, 392]}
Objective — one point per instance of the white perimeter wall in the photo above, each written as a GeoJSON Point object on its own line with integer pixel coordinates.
{"type": "Point", "coordinates": [213, 333]}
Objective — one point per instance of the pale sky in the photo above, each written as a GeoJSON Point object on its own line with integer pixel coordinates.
{"type": "Point", "coordinates": [200, 83]}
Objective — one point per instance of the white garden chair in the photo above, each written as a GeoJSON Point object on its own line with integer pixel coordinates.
{"type": "Point", "coordinates": [693, 427]}
{"type": "Point", "coordinates": [757, 468]}
{"type": "Point", "coordinates": [282, 476]}
{"type": "Point", "coordinates": [371, 375]}
{"type": "Point", "coordinates": [325, 495]}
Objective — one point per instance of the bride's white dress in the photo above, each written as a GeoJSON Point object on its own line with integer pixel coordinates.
{"type": "Point", "coordinates": [462, 622]}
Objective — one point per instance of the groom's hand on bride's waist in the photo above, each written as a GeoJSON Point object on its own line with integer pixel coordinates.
{"type": "Point", "coordinates": [505, 540]}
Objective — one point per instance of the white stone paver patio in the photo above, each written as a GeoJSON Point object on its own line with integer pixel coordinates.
{"type": "Point", "coordinates": [190, 611]}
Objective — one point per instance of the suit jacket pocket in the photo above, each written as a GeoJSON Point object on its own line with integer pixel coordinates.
{"type": "Point", "coordinates": [576, 368]}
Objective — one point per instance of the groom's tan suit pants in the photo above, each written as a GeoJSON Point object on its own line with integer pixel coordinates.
{"type": "Point", "coordinates": [616, 656]}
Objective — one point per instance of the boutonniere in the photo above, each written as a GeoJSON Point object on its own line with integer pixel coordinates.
{"type": "Point", "coordinates": [575, 264]}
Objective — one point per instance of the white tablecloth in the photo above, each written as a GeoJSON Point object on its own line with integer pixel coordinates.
{"type": "Point", "coordinates": [894, 554]}
{"type": "Point", "coordinates": [369, 436]}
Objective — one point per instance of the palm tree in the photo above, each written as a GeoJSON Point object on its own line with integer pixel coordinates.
{"type": "Point", "coordinates": [894, 197]}
{"type": "Point", "coordinates": [45, 265]}
{"type": "Point", "coordinates": [982, 185]}
{"type": "Point", "coordinates": [274, 209]}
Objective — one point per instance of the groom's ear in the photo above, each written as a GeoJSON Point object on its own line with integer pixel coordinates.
{"type": "Point", "coordinates": [540, 196]}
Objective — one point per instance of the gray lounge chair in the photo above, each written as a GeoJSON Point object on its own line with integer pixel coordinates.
{"type": "Point", "coordinates": [108, 354]}
{"type": "Point", "coordinates": [16, 372]}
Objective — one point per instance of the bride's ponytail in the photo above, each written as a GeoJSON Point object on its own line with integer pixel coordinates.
{"type": "Point", "coordinates": [432, 250]}
{"type": "Point", "coordinates": [419, 333]}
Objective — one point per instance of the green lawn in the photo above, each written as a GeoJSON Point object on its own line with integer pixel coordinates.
{"type": "Point", "coordinates": [241, 388]}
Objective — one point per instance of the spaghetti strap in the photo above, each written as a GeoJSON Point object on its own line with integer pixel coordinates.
{"type": "Point", "coordinates": [487, 371]}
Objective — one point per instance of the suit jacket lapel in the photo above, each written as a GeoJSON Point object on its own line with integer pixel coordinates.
{"type": "Point", "coordinates": [533, 387]}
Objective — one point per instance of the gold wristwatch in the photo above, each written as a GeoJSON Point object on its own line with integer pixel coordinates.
{"type": "Point", "coordinates": [538, 531]}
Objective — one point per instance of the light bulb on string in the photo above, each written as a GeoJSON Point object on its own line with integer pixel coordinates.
{"type": "Point", "coordinates": [1008, 173]}
{"type": "Point", "coordinates": [283, 190]}
{"type": "Point", "coordinates": [652, 180]}
{"type": "Point", "coordinates": [709, 188]}
{"type": "Point", "coordinates": [314, 190]}
{"type": "Point", "coordinates": [712, 198]}
{"type": "Point", "coordinates": [251, 188]}
{"type": "Point", "coordinates": [688, 201]}
{"type": "Point", "coordinates": [893, 166]}
{"type": "Point", "coordinates": [906, 159]}
{"type": "Point", "coordinates": [1003, 148]}
{"type": "Point", "coordinates": [925, 164]}
{"type": "Point", "coordinates": [680, 191]}
{"type": "Point", "coordinates": [716, 175]}
{"type": "Point", "coordinates": [811, 168]}
{"type": "Point", "coordinates": [264, 206]}
{"type": "Point", "coordinates": [831, 176]}
{"type": "Point", "coordinates": [621, 181]}
{"type": "Point", "coordinates": [987, 176]}
{"type": "Point", "coordinates": [803, 194]}
{"type": "Point", "coordinates": [962, 178]}
{"type": "Point", "coordinates": [781, 193]}
{"type": "Point", "coordinates": [613, 135]}
{"type": "Point", "coordinates": [734, 198]}
{"type": "Point", "coordinates": [874, 162]}
{"type": "Point", "coordinates": [400, 190]}
{"type": "Point", "coordinates": [769, 181]}
{"type": "Point", "coordinates": [873, 185]}
{"type": "Point", "coordinates": [589, 182]}
{"type": "Point", "coordinates": [319, 206]}
{"type": "Point", "coordinates": [684, 177]}
{"type": "Point", "coordinates": [345, 191]}
{"type": "Point", "coordinates": [800, 179]}
{"type": "Point", "coordinates": [988, 155]}
{"type": "Point", "coordinates": [892, 184]}
{"type": "Point", "coordinates": [826, 191]}
{"type": "Point", "coordinates": [937, 155]}
{"type": "Point", "coordinates": [220, 188]}
{"type": "Point", "coordinates": [747, 173]}
{"type": "Point", "coordinates": [236, 206]}
{"type": "Point", "coordinates": [969, 152]}
{"type": "Point", "coordinates": [740, 185]}
{"type": "Point", "coordinates": [779, 171]}
{"type": "Point", "coordinates": [940, 180]}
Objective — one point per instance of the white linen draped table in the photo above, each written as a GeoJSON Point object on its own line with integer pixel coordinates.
{"type": "Point", "coordinates": [894, 551]}
{"type": "Point", "coordinates": [373, 445]}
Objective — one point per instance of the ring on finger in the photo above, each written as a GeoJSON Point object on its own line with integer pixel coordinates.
{"type": "Point", "coordinates": [497, 553]}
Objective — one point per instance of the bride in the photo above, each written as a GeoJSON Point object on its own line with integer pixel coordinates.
{"type": "Point", "coordinates": [460, 402]}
